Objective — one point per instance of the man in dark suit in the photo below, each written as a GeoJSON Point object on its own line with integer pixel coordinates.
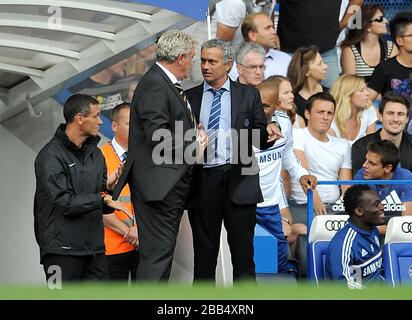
{"type": "Point", "coordinates": [158, 174]}
{"type": "Point", "coordinates": [226, 187]}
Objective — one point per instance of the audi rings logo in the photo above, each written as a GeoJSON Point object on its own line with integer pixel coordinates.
{"type": "Point", "coordinates": [407, 227]}
{"type": "Point", "coordinates": [410, 271]}
{"type": "Point", "coordinates": [335, 225]}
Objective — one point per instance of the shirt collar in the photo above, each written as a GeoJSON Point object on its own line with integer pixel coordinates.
{"type": "Point", "coordinates": [170, 75]}
{"type": "Point", "coordinates": [359, 230]}
{"type": "Point", "coordinates": [269, 54]}
{"type": "Point", "coordinates": [118, 148]}
{"type": "Point", "coordinates": [226, 86]}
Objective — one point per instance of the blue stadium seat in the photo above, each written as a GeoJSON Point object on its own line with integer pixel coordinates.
{"type": "Point", "coordinates": [397, 251]}
{"type": "Point", "coordinates": [266, 251]}
{"type": "Point", "coordinates": [322, 230]}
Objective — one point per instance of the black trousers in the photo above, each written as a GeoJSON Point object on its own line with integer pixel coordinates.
{"type": "Point", "coordinates": [158, 223]}
{"type": "Point", "coordinates": [76, 268]}
{"type": "Point", "coordinates": [122, 265]}
{"type": "Point", "coordinates": [213, 206]}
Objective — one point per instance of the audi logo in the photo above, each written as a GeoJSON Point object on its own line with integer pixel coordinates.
{"type": "Point", "coordinates": [410, 271]}
{"type": "Point", "coordinates": [335, 225]}
{"type": "Point", "coordinates": [407, 227]}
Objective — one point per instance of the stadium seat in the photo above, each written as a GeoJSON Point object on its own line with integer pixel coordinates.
{"type": "Point", "coordinates": [397, 251]}
{"type": "Point", "coordinates": [321, 232]}
{"type": "Point", "coordinates": [266, 251]}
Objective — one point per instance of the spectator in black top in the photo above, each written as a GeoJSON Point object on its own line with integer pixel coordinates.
{"type": "Point", "coordinates": [393, 113]}
{"type": "Point", "coordinates": [394, 74]}
{"type": "Point", "coordinates": [306, 71]}
{"type": "Point", "coordinates": [304, 23]}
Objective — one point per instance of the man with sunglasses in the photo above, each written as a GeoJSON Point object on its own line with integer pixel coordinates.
{"type": "Point", "coordinates": [394, 74]}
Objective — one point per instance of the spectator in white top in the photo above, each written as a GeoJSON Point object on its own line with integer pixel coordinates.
{"type": "Point", "coordinates": [228, 15]}
{"type": "Point", "coordinates": [355, 117]}
{"type": "Point", "coordinates": [325, 156]}
{"type": "Point", "coordinates": [258, 28]}
{"type": "Point", "coordinates": [250, 63]}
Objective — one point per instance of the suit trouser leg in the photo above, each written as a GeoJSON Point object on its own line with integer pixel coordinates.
{"type": "Point", "coordinates": [240, 223]}
{"type": "Point", "coordinates": [206, 222]}
{"type": "Point", "coordinates": [158, 224]}
{"type": "Point", "coordinates": [213, 207]}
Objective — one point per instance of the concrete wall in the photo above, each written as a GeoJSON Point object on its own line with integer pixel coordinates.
{"type": "Point", "coordinates": [19, 253]}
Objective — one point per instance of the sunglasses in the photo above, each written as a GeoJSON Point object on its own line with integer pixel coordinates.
{"type": "Point", "coordinates": [378, 19]}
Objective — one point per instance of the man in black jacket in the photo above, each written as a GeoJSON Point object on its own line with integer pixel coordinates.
{"type": "Point", "coordinates": [70, 196]}
{"type": "Point", "coordinates": [393, 113]}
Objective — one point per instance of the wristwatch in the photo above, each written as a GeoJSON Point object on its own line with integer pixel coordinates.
{"type": "Point", "coordinates": [286, 220]}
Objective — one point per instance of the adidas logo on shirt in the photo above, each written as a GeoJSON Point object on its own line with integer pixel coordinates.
{"type": "Point", "coordinates": [364, 253]}
{"type": "Point", "coordinates": [392, 202]}
{"type": "Point", "coordinates": [338, 206]}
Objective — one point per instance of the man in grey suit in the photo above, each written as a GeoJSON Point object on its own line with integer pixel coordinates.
{"type": "Point", "coordinates": [158, 173]}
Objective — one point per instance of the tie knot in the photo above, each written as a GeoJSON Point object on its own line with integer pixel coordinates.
{"type": "Point", "coordinates": [179, 87]}
{"type": "Point", "coordinates": [218, 92]}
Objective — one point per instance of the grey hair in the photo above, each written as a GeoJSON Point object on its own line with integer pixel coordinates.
{"type": "Point", "coordinates": [174, 43]}
{"type": "Point", "coordinates": [247, 47]}
{"type": "Point", "coordinates": [224, 45]}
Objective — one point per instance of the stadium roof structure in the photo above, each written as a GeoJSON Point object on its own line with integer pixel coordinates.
{"type": "Point", "coordinates": [49, 45]}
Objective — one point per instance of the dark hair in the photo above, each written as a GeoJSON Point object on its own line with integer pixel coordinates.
{"type": "Point", "coordinates": [324, 96]}
{"type": "Point", "coordinates": [391, 96]}
{"type": "Point", "coordinates": [353, 197]}
{"type": "Point", "coordinates": [388, 151]}
{"type": "Point", "coordinates": [116, 110]}
{"type": "Point", "coordinates": [399, 23]}
{"type": "Point", "coordinates": [356, 35]}
{"type": "Point", "coordinates": [78, 103]}
{"type": "Point", "coordinates": [299, 66]}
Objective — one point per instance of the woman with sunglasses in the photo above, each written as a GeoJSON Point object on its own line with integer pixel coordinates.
{"type": "Point", "coordinates": [363, 49]}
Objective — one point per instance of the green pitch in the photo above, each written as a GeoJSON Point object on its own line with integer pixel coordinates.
{"type": "Point", "coordinates": [245, 291]}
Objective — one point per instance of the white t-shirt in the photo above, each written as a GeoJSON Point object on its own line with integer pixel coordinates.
{"type": "Point", "coordinates": [230, 13]}
{"type": "Point", "coordinates": [368, 117]}
{"type": "Point", "coordinates": [325, 159]}
{"type": "Point", "coordinates": [271, 161]}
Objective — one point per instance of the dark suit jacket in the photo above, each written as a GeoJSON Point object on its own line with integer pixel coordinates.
{"type": "Point", "coordinates": [156, 105]}
{"type": "Point", "coordinates": [246, 113]}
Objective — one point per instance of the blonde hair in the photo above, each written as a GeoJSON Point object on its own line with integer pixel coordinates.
{"type": "Point", "coordinates": [342, 91]}
{"type": "Point", "coordinates": [273, 83]}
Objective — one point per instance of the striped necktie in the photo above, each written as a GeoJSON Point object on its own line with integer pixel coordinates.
{"type": "Point", "coordinates": [184, 98]}
{"type": "Point", "coordinates": [213, 125]}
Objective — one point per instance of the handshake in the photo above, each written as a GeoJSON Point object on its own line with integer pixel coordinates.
{"type": "Point", "coordinates": [202, 139]}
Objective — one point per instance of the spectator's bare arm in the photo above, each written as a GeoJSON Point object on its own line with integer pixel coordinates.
{"type": "Point", "coordinates": [349, 13]}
